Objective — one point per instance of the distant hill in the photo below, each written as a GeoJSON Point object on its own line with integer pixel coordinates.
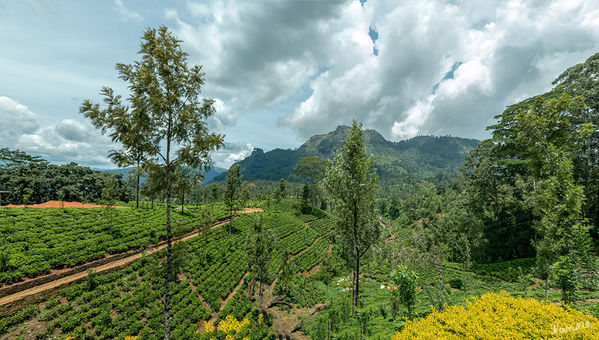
{"type": "Point", "coordinates": [212, 173]}
{"type": "Point", "coordinates": [418, 157]}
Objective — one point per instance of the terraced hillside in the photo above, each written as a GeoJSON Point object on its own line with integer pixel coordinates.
{"type": "Point", "coordinates": [212, 278]}
{"type": "Point", "coordinates": [34, 241]}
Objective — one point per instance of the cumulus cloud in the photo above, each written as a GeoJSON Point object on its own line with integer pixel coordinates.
{"type": "Point", "coordinates": [231, 153]}
{"type": "Point", "coordinates": [403, 68]}
{"type": "Point", "coordinates": [226, 114]}
{"type": "Point", "coordinates": [262, 52]}
{"type": "Point", "coordinates": [126, 13]}
{"type": "Point", "coordinates": [67, 141]}
{"type": "Point", "coordinates": [504, 54]}
{"type": "Point", "coordinates": [16, 119]}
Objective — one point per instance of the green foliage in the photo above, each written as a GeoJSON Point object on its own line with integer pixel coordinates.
{"type": "Point", "coordinates": [17, 318]}
{"type": "Point", "coordinates": [232, 188]}
{"type": "Point", "coordinates": [260, 245]}
{"type": "Point", "coordinates": [564, 271]}
{"type": "Point", "coordinates": [127, 302]}
{"type": "Point", "coordinates": [34, 241]}
{"type": "Point", "coordinates": [405, 293]}
{"type": "Point", "coordinates": [532, 140]}
{"type": "Point", "coordinates": [39, 181]}
{"type": "Point", "coordinates": [282, 192]}
{"type": "Point", "coordinates": [311, 169]}
{"type": "Point", "coordinates": [167, 120]}
{"type": "Point", "coordinates": [351, 180]}
{"type": "Point", "coordinates": [306, 197]}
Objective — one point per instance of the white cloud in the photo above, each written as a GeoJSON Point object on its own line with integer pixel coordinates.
{"type": "Point", "coordinates": [16, 120]}
{"type": "Point", "coordinates": [67, 141]}
{"type": "Point", "coordinates": [126, 13]}
{"type": "Point", "coordinates": [504, 51]}
{"type": "Point", "coordinates": [231, 153]}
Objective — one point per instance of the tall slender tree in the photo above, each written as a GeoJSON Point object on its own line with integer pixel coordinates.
{"type": "Point", "coordinates": [351, 180]}
{"type": "Point", "coordinates": [233, 182]}
{"type": "Point", "coordinates": [168, 90]}
{"type": "Point", "coordinates": [260, 245]}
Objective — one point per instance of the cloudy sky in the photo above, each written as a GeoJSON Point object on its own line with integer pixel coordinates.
{"type": "Point", "coordinates": [281, 71]}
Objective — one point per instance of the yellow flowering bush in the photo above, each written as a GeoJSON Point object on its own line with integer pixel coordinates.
{"type": "Point", "coordinates": [231, 324]}
{"type": "Point", "coordinates": [208, 327]}
{"type": "Point", "coordinates": [500, 316]}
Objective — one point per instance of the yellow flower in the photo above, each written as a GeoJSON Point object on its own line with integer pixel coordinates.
{"type": "Point", "coordinates": [500, 316]}
{"type": "Point", "coordinates": [208, 327]}
{"type": "Point", "coordinates": [230, 324]}
{"type": "Point", "coordinates": [260, 319]}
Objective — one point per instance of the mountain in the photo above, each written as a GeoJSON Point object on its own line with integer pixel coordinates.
{"type": "Point", "coordinates": [418, 157]}
{"type": "Point", "coordinates": [212, 173]}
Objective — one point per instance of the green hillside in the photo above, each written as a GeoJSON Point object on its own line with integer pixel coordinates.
{"type": "Point", "coordinates": [418, 157]}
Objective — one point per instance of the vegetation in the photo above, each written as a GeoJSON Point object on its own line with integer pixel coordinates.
{"type": "Point", "coordinates": [232, 190]}
{"type": "Point", "coordinates": [166, 109]}
{"type": "Point", "coordinates": [39, 181]}
{"type": "Point", "coordinates": [127, 302]}
{"type": "Point", "coordinates": [421, 157]}
{"type": "Point", "coordinates": [503, 317]}
{"type": "Point", "coordinates": [428, 254]}
{"type": "Point", "coordinates": [33, 241]}
{"type": "Point", "coordinates": [351, 181]}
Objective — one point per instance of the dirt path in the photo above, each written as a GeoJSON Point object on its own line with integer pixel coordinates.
{"type": "Point", "coordinates": [578, 302]}
{"type": "Point", "coordinates": [226, 300]}
{"type": "Point", "coordinates": [99, 269]}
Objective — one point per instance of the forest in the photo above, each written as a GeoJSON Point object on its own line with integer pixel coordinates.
{"type": "Point", "coordinates": [349, 236]}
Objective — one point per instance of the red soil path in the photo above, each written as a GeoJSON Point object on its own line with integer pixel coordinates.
{"type": "Point", "coordinates": [103, 268]}
{"type": "Point", "coordinates": [57, 204]}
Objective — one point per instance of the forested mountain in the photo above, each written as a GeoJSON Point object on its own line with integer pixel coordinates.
{"type": "Point", "coordinates": [418, 157]}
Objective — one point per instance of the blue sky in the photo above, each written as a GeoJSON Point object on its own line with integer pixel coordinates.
{"type": "Point", "coordinates": [281, 71]}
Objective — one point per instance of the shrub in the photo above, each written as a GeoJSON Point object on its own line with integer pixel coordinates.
{"type": "Point", "coordinates": [500, 316]}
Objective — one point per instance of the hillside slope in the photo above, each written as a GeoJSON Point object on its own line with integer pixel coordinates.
{"type": "Point", "coordinates": [419, 157]}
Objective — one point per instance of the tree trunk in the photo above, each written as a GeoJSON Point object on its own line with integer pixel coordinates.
{"type": "Point", "coordinates": [137, 187]}
{"type": "Point", "coordinates": [167, 293]}
{"type": "Point", "coordinates": [442, 302]}
{"type": "Point", "coordinates": [362, 330]}
{"type": "Point", "coordinates": [260, 295]}
{"type": "Point", "coordinates": [563, 294]}
{"type": "Point", "coordinates": [547, 287]}
{"type": "Point", "coordinates": [356, 261]}
{"type": "Point", "coordinates": [313, 197]}
{"type": "Point", "coordinates": [182, 202]}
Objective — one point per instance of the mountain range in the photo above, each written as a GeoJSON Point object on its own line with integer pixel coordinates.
{"type": "Point", "coordinates": [418, 157]}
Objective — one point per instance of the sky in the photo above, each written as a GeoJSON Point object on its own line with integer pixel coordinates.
{"type": "Point", "coordinates": [282, 71]}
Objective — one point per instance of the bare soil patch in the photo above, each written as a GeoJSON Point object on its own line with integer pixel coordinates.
{"type": "Point", "coordinates": [249, 210]}
{"type": "Point", "coordinates": [59, 204]}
